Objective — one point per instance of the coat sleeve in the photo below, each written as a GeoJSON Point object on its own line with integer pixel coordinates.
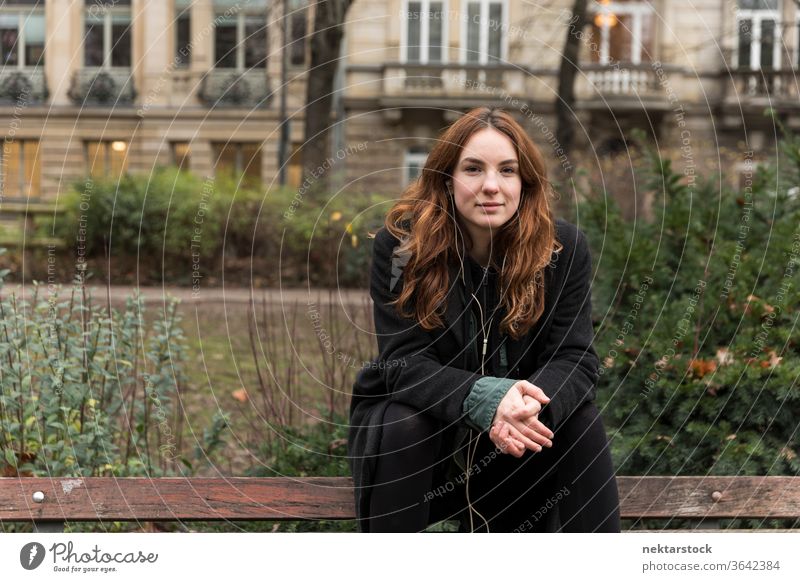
{"type": "Point", "coordinates": [568, 366]}
{"type": "Point", "coordinates": [414, 375]}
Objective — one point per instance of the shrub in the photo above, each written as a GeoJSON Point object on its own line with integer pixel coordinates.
{"type": "Point", "coordinates": [696, 323]}
{"type": "Point", "coordinates": [86, 390]}
{"type": "Point", "coordinates": [188, 221]}
{"type": "Point", "coordinates": [317, 450]}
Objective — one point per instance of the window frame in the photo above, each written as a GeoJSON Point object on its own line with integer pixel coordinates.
{"type": "Point", "coordinates": [797, 39]}
{"type": "Point", "coordinates": [297, 7]}
{"type": "Point", "coordinates": [483, 41]}
{"type": "Point", "coordinates": [107, 12]}
{"type": "Point", "coordinates": [756, 17]}
{"type": "Point", "coordinates": [106, 144]}
{"type": "Point", "coordinates": [23, 181]}
{"type": "Point", "coordinates": [241, 169]}
{"type": "Point", "coordinates": [241, 38]}
{"type": "Point", "coordinates": [185, 162]}
{"type": "Point", "coordinates": [181, 9]}
{"type": "Point", "coordinates": [22, 12]}
{"type": "Point", "coordinates": [411, 156]}
{"type": "Point", "coordinates": [637, 10]}
{"type": "Point", "coordinates": [424, 34]}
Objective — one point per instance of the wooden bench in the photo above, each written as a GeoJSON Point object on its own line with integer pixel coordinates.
{"type": "Point", "coordinates": [48, 503]}
{"type": "Point", "coordinates": [22, 214]}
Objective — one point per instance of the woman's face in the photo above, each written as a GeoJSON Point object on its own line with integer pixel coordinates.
{"type": "Point", "coordinates": [486, 184]}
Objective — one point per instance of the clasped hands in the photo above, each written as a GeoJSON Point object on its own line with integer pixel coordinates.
{"type": "Point", "coordinates": [516, 424]}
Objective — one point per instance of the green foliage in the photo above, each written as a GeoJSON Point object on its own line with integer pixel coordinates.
{"type": "Point", "coordinates": [317, 450]}
{"type": "Point", "coordinates": [187, 221]}
{"type": "Point", "coordinates": [86, 390]}
{"type": "Point", "coordinates": [696, 323]}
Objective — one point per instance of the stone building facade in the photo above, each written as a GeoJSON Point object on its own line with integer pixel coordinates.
{"type": "Point", "coordinates": [695, 77]}
{"type": "Point", "coordinates": [102, 87]}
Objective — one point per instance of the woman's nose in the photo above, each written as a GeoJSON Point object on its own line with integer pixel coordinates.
{"type": "Point", "coordinates": [490, 183]}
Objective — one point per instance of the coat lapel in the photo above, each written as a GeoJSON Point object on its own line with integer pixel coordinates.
{"type": "Point", "coordinates": [456, 305]}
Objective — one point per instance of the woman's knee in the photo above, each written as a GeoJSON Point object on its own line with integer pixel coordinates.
{"type": "Point", "coordinates": [585, 414]}
{"type": "Point", "coordinates": [583, 423]}
{"type": "Point", "coordinates": [404, 426]}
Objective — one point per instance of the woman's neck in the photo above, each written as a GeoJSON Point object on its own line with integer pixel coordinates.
{"type": "Point", "coordinates": [481, 256]}
{"type": "Point", "coordinates": [481, 245]}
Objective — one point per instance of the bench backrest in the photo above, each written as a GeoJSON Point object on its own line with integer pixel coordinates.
{"type": "Point", "coordinates": [273, 498]}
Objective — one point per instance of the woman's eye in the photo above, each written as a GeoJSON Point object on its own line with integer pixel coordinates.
{"type": "Point", "coordinates": [471, 169]}
{"type": "Point", "coordinates": [509, 170]}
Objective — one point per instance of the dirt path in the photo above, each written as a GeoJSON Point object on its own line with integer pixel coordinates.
{"type": "Point", "coordinates": [224, 295]}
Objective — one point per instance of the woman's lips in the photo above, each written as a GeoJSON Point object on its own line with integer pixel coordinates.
{"type": "Point", "coordinates": [489, 207]}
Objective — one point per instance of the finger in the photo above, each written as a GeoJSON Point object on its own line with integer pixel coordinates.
{"type": "Point", "coordinates": [538, 426]}
{"type": "Point", "coordinates": [529, 443]}
{"type": "Point", "coordinates": [535, 436]}
{"type": "Point", "coordinates": [494, 433]}
{"type": "Point", "coordinates": [532, 407]}
{"type": "Point", "coordinates": [495, 436]}
{"type": "Point", "coordinates": [510, 444]}
{"type": "Point", "coordinates": [535, 392]}
{"type": "Point", "coordinates": [536, 431]}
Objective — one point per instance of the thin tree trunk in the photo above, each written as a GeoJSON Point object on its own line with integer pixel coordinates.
{"type": "Point", "coordinates": [325, 47]}
{"type": "Point", "coordinates": [565, 101]}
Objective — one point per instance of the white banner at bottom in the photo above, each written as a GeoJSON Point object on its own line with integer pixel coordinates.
{"type": "Point", "coordinates": [333, 557]}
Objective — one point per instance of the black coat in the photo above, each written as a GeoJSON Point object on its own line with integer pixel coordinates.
{"type": "Point", "coordinates": [434, 371]}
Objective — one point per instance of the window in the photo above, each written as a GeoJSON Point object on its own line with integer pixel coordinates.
{"type": "Point", "coordinates": [239, 159]}
{"type": "Point", "coordinates": [107, 159]}
{"type": "Point", "coordinates": [183, 33]}
{"type": "Point", "coordinates": [22, 34]}
{"type": "Point", "coordinates": [107, 38]}
{"type": "Point", "coordinates": [622, 32]}
{"type": "Point", "coordinates": [180, 154]}
{"type": "Point", "coordinates": [240, 38]}
{"type": "Point", "coordinates": [415, 159]}
{"type": "Point", "coordinates": [485, 24]}
{"type": "Point", "coordinates": [757, 26]}
{"type": "Point", "coordinates": [297, 32]}
{"type": "Point", "coordinates": [797, 40]}
{"type": "Point", "coordinates": [424, 32]}
{"type": "Point", "coordinates": [20, 169]}
{"type": "Point", "coordinates": [294, 167]}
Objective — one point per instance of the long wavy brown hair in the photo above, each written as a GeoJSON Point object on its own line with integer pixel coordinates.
{"type": "Point", "coordinates": [423, 221]}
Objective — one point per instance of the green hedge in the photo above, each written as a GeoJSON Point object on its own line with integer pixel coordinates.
{"type": "Point", "coordinates": [696, 323]}
{"type": "Point", "coordinates": [184, 221]}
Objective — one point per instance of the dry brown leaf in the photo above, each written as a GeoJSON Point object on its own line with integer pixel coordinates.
{"type": "Point", "coordinates": [724, 357]}
{"type": "Point", "coordinates": [702, 367]}
{"type": "Point", "coordinates": [774, 359]}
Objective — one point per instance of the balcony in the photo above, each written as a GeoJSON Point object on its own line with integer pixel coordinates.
{"type": "Point", "coordinates": [395, 86]}
{"type": "Point", "coordinates": [452, 80]}
{"type": "Point", "coordinates": [230, 88]}
{"type": "Point", "coordinates": [25, 86]}
{"type": "Point", "coordinates": [625, 85]}
{"type": "Point", "coordinates": [102, 87]}
{"type": "Point", "coordinates": [764, 88]}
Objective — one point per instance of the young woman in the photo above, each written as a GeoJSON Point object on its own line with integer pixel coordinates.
{"type": "Point", "coordinates": [479, 405]}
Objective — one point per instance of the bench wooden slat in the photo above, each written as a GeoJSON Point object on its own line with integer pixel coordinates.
{"type": "Point", "coordinates": [709, 497]}
{"type": "Point", "coordinates": [166, 499]}
{"type": "Point", "coordinates": [286, 498]}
